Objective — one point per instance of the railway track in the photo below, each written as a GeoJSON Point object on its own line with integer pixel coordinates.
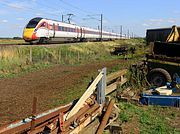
{"type": "Point", "coordinates": [48, 44]}
{"type": "Point", "coordinates": [2, 45]}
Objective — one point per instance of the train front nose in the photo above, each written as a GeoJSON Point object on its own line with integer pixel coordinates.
{"type": "Point", "coordinates": [27, 35]}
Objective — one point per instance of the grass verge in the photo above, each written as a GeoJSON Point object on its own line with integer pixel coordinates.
{"type": "Point", "coordinates": [19, 60]}
{"type": "Point", "coordinates": [148, 119]}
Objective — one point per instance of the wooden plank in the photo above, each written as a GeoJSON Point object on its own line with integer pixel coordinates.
{"type": "Point", "coordinates": [122, 82]}
{"type": "Point", "coordinates": [111, 88]}
{"type": "Point", "coordinates": [86, 95]}
{"type": "Point", "coordinates": [115, 75]}
{"type": "Point", "coordinates": [105, 117]}
{"type": "Point", "coordinates": [83, 110]}
{"type": "Point", "coordinates": [87, 121]}
{"type": "Point", "coordinates": [91, 128]}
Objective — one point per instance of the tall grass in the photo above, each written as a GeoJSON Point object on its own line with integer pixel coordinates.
{"type": "Point", "coordinates": [27, 58]}
{"type": "Point", "coordinates": [11, 41]}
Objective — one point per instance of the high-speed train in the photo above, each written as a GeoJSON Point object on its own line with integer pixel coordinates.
{"type": "Point", "coordinates": [45, 30]}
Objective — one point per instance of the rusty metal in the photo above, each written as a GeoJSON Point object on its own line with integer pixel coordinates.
{"type": "Point", "coordinates": [87, 113]}
{"type": "Point", "coordinates": [105, 118]}
{"type": "Point", "coordinates": [25, 124]}
{"type": "Point", "coordinates": [61, 122]}
{"type": "Point", "coordinates": [77, 121]}
{"type": "Point", "coordinates": [74, 117]}
{"type": "Point", "coordinates": [163, 58]}
{"type": "Point", "coordinates": [86, 119]}
{"type": "Point", "coordinates": [41, 127]}
{"type": "Point", "coordinates": [33, 113]}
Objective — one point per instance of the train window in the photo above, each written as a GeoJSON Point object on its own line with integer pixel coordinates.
{"type": "Point", "coordinates": [62, 28]}
{"type": "Point", "coordinates": [43, 25]}
{"type": "Point", "coordinates": [33, 23]}
{"type": "Point", "coordinates": [59, 28]}
{"type": "Point", "coordinates": [65, 28]}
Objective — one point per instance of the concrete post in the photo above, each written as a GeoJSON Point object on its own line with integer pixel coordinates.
{"type": "Point", "coordinates": [101, 88]}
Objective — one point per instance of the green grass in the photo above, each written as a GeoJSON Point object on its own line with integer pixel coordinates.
{"type": "Point", "coordinates": [74, 92]}
{"type": "Point", "coordinates": [14, 60]}
{"type": "Point", "coordinates": [149, 119]}
{"type": "Point", "coordinates": [11, 41]}
{"type": "Point", "coordinates": [24, 70]}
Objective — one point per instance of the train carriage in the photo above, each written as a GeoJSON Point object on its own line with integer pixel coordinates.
{"type": "Point", "coordinates": [45, 30]}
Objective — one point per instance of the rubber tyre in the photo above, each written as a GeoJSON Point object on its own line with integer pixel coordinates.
{"type": "Point", "coordinates": [159, 77]}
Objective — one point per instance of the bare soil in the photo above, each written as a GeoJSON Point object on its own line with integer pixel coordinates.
{"type": "Point", "coordinates": [48, 85]}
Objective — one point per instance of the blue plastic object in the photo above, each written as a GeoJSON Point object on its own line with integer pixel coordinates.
{"type": "Point", "coordinates": [161, 100]}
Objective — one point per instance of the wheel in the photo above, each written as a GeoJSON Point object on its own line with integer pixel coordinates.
{"type": "Point", "coordinates": [158, 77]}
{"type": "Point", "coordinates": [43, 40]}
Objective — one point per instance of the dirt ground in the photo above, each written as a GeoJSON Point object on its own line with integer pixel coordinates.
{"type": "Point", "coordinates": [16, 94]}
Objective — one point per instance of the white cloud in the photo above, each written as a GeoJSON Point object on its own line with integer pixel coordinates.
{"type": "Point", "coordinates": [18, 6]}
{"type": "Point", "coordinates": [4, 21]}
{"type": "Point", "coordinates": [153, 22]}
{"type": "Point", "coordinates": [156, 20]}
{"type": "Point", "coordinates": [171, 20]}
{"type": "Point", "coordinates": [145, 24]}
{"type": "Point", "coordinates": [39, 14]}
{"type": "Point", "coordinates": [19, 18]}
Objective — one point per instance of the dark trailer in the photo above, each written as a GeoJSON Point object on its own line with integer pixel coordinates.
{"type": "Point", "coordinates": [160, 34]}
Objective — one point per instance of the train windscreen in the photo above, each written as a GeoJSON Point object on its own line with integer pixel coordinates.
{"type": "Point", "coordinates": [33, 23]}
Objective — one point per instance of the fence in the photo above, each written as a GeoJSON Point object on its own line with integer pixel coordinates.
{"type": "Point", "coordinates": [73, 117]}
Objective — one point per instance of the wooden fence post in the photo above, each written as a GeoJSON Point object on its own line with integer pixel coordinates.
{"type": "Point", "coordinates": [20, 56]}
{"type": "Point", "coordinates": [30, 54]}
{"type": "Point", "coordinates": [78, 56]}
{"type": "Point", "coordinates": [59, 55]}
{"type": "Point", "coordinates": [41, 53]}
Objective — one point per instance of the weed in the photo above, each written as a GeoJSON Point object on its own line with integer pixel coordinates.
{"type": "Point", "coordinates": [145, 119]}
{"type": "Point", "coordinates": [150, 119]}
{"type": "Point", "coordinates": [124, 117]}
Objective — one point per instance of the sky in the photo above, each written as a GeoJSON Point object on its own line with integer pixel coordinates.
{"type": "Point", "coordinates": [135, 16]}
